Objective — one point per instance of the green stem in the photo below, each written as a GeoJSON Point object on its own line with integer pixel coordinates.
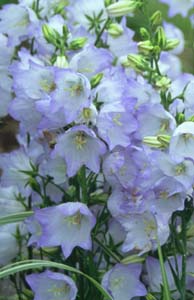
{"type": "Point", "coordinates": [101, 32]}
{"type": "Point", "coordinates": [167, 295]}
{"type": "Point", "coordinates": [83, 183]}
{"type": "Point", "coordinates": [184, 261]}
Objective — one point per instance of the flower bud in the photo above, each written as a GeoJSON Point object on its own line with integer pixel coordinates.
{"type": "Point", "coordinates": [152, 141]}
{"type": "Point", "coordinates": [180, 118]}
{"type": "Point", "coordinates": [115, 30]}
{"type": "Point", "coordinates": [156, 18]}
{"type": "Point", "coordinates": [61, 62]}
{"type": "Point", "coordinates": [138, 62]}
{"type": "Point", "coordinates": [144, 34]}
{"type": "Point", "coordinates": [163, 83]}
{"type": "Point", "coordinates": [49, 34]}
{"type": "Point", "coordinates": [160, 37]}
{"type": "Point", "coordinates": [123, 7]}
{"type": "Point", "coordinates": [107, 2]}
{"type": "Point", "coordinates": [164, 140]}
{"type": "Point", "coordinates": [150, 297]}
{"type": "Point", "coordinates": [171, 44]}
{"type": "Point", "coordinates": [77, 43]}
{"type": "Point", "coordinates": [60, 7]}
{"type": "Point", "coordinates": [95, 80]}
{"type": "Point", "coordinates": [191, 119]}
{"type": "Point", "coordinates": [145, 47]}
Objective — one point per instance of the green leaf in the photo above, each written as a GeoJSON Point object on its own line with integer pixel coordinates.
{"type": "Point", "coordinates": [167, 294]}
{"type": "Point", "coordinates": [34, 264]}
{"type": "Point", "coordinates": [14, 218]}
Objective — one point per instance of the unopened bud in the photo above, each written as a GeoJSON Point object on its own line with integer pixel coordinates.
{"type": "Point", "coordinates": [49, 33]}
{"type": "Point", "coordinates": [145, 47]}
{"type": "Point", "coordinates": [61, 62]}
{"type": "Point", "coordinates": [156, 18]}
{"type": "Point", "coordinates": [123, 7]}
{"type": "Point", "coordinates": [150, 297]}
{"type": "Point", "coordinates": [180, 118]}
{"type": "Point", "coordinates": [60, 6]}
{"type": "Point", "coordinates": [191, 119]}
{"type": "Point", "coordinates": [163, 83]}
{"type": "Point", "coordinates": [144, 33]}
{"type": "Point", "coordinates": [164, 140]}
{"type": "Point", "coordinates": [77, 43]}
{"type": "Point", "coordinates": [108, 2]}
{"type": "Point", "coordinates": [95, 80]}
{"type": "Point", "coordinates": [115, 30]}
{"type": "Point", "coordinates": [171, 44]}
{"type": "Point", "coordinates": [160, 37]}
{"type": "Point", "coordinates": [138, 62]}
{"type": "Point", "coordinates": [152, 141]}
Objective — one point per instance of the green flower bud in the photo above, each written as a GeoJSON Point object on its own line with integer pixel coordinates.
{"type": "Point", "coordinates": [150, 297]}
{"type": "Point", "coordinates": [60, 7]}
{"type": "Point", "coordinates": [160, 37]}
{"type": "Point", "coordinates": [180, 117]}
{"type": "Point", "coordinates": [108, 2]}
{"type": "Point", "coordinates": [77, 43]}
{"type": "Point", "coordinates": [163, 83]}
{"type": "Point", "coordinates": [171, 44]}
{"type": "Point", "coordinates": [137, 62]}
{"type": "Point", "coordinates": [164, 140]}
{"type": "Point", "coordinates": [145, 47]}
{"type": "Point", "coordinates": [152, 141]}
{"type": "Point", "coordinates": [49, 34]}
{"type": "Point", "coordinates": [156, 18]}
{"type": "Point", "coordinates": [144, 33]}
{"type": "Point", "coordinates": [123, 7]}
{"type": "Point", "coordinates": [191, 119]}
{"type": "Point", "coordinates": [95, 80]}
{"type": "Point", "coordinates": [115, 30]}
{"type": "Point", "coordinates": [61, 62]}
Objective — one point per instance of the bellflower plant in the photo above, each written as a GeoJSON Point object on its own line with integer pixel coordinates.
{"type": "Point", "coordinates": [98, 188]}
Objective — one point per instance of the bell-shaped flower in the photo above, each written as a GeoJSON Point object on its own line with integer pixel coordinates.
{"type": "Point", "coordinates": [122, 282]}
{"type": "Point", "coordinates": [115, 124]}
{"type": "Point", "coordinates": [182, 142]}
{"type": "Point", "coordinates": [16, 22]}
{"type": "Point", "coordinates": [67, 225]}
{"type": "Point", "coordinates": [142, 231]}
{"type": "Point", "coordinates": [79, 146]}
{"type": "Point", "coordinates": [51, 285]}
{"type": "Point", "coordinates": [91, 60]}
{"type": "Point", "coordinates": [72, 93]}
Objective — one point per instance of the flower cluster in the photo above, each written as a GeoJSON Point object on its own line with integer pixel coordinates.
{"type": "Point", "coordinates": [105, 156]}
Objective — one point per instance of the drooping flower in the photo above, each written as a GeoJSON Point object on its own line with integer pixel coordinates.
{"type": "Point", "coordinates": [67, 225]}
{"type": "Point", "coordinates": [182, 142]}
{"type": "Point", "coordinates": [51, 285]}
{"type": "Point", "coordinates": [79, 146]}
{"type": "Point", "coordinates": [72, 93]}
{"type": "Point", "coordinates": [122, 282]}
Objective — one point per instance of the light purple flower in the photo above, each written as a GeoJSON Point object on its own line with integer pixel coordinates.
{"type": "Point", "coordinates": [72, 93]}
{"type": "Point", "coordinates": [79, 146]}
{"type": "Point", "coordinates": [67, 225]}
{"type": "Point", "coordinates": [142, 231]}
{"type": "Point", "coordinates": [112, 124]}
{"type": "Point", "coordinates": [122, 282]}
{"type": "Point", "coordinates": [15, 21]}
{"type": "Point", "coordinates": [179, 6]}
{"type": "Point", "coordinates": [50, 285]}
{"type": "Point", "coordinates": [182, 142]}
{"type": "Point", "coordinates": [91, 60]}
